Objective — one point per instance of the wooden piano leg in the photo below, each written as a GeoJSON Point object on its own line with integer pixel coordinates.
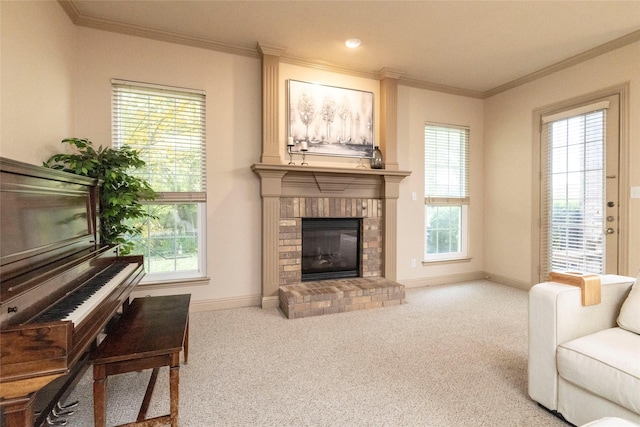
{"type": "Point", "coordinates": [99, 395]}
{"type": "Point", "coordinates": [18, 412]}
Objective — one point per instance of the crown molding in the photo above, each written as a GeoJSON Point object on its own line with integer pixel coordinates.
{"type": "Point", "coordinates": [153, 33]}
{"type": "Point", "coordinates": [421, 84]}
{"type": "Point", "coordinates": [261, 49]}
{"type": "Point", "coordinates": [70, 9]}
{"type": "Point", "coordinates": [569, 62]}
{"type": "Point", "coordinates": [267, 49]}
{"type": "Point", "coordinates": [389, 73]}
{"type": "Point", "coordinates": [327, 66]}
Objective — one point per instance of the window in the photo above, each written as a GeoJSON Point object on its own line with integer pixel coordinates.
{"type": "Point", "coordinates": [167, 126]}
{"type": "Point", "coordinates": [446, 197]}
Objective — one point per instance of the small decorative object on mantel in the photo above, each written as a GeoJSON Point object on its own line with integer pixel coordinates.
{"type": "Point", "coordinates": [289, 147]}
{"type": "Point", "coordinates": [376, 159]}
{"type": "Point", "coordinates": [304, 148]}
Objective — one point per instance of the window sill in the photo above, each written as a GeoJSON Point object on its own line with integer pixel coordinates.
{"type": "Point", "coordinates": [175, 283]}
{"type": "Point", "coordinates": [446, 261]}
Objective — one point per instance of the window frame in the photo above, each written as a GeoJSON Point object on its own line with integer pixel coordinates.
{"type": "Point", "coordinates": [458, 197]}
{"type": "Point", "coordinates": [463, 239]}
{"type": "Point", "coordinates": [197, 198]}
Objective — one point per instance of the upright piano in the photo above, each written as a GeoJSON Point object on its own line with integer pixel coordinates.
{"type": "Point", "coordinates": [59, 287]}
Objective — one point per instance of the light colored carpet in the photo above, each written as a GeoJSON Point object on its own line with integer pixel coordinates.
{"type": "Point", "coordinates": [453, 355]}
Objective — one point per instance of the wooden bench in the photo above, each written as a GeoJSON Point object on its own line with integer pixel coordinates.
{"type": "Point", "coordinates": [150, 334]}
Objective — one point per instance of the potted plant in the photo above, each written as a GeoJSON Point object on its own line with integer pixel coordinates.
{"type": "Point", "coordinates": [120, 193]}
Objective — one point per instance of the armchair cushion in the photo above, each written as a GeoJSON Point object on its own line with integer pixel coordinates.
{"type": "Point", "coordinates": [629, 317]}
{"type": "Point", "coordinates": [611, 358]}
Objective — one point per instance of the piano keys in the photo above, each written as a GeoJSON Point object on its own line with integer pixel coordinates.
{"type": "Point", "coordinates": [76, 306]}
{"type": "Point", "coordinates": [59, 287]}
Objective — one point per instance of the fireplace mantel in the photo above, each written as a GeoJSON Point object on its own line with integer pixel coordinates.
{"type": "Point", "coordinates": [291, 180]}
{"type": "Point", "coordinates": [326, 183]}
{"type": "Point", "coordinates": [328, 170]}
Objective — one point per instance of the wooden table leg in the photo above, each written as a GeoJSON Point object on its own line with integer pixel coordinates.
{"type": "Point", "coordinates": [99, 395]}
{"type": "Point", "coordinates": [142, 415]}
{"type": "Point", "coordinates": [174, 383]}
{"type": "Point", "coordinates": [186, 344]}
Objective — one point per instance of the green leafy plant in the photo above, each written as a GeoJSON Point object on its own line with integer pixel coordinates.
{"type": "Point", "coordinates": [120, 193]}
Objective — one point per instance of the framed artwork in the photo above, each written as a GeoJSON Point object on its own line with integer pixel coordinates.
{"type": "Point", "coordinates": [330, 121]}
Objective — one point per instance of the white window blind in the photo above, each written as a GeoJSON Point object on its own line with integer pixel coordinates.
{"type": "Point", "coordinates": [573, 183]}
{"type": "Point", "coordinates": [446, 163]}
{"type": "Point", "coordinates": [167, 126]}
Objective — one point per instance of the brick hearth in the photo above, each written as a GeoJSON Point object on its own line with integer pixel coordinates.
{"type": "Point", "coordinates": [339, 296]}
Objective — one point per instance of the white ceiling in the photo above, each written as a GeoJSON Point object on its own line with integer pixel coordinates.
{"type": "Point", "coordinates": [476, 46]}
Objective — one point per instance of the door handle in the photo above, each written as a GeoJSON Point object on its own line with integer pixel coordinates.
{"type": "Point", "coordinates": [610, 230]}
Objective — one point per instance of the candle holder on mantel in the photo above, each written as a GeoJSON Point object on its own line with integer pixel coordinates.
{"type": "Point", "coordinates": [303, 149]}
{"type": "Point", "coordinates": [289, 149]}
{"type": "Point", "coordinates": [290, 155]}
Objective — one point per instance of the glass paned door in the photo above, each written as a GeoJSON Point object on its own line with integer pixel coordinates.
{"type": "Point", "coordinates": [579, 205]}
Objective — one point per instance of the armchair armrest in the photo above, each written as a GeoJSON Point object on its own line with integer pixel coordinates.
{"type": "Point", "coordinates": [556, 316]}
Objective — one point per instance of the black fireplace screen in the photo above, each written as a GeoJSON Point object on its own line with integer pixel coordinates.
{"type": "Point", "coordinates": [330, 248]}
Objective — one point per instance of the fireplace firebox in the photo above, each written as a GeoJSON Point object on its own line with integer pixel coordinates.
{"type": "Point", "coordinates": [330, 248]}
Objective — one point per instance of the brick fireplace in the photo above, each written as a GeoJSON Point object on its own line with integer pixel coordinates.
{"type": "Point", "coordinates": [290, 241]}
{"type": "Point", "coordinates": [291, 193]}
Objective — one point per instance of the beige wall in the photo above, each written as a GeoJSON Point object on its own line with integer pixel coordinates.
{"type": "Point", "coordinates": [37, 63]}
{"type": "Point", "coordinates": [508, 161]}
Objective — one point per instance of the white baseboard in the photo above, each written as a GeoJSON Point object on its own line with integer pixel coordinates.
{"type": "Point", "coordinates": [226, 303]}
{"type": "Point", "coordinates": [465, 277]}
{"type": "Point", "coordinates": [508, 281]}
{"type": "Point", "coordinates": [442, 280]}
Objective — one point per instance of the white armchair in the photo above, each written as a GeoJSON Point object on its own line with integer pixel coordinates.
{"type": "Point", "coordinates": [582, 366]}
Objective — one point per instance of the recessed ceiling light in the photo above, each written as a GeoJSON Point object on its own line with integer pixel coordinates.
{"type": "Point", "coordinates": [352, 43]}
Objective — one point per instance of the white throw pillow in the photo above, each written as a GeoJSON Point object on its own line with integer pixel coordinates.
{"type": "Point", "coordinates": [629, 317]}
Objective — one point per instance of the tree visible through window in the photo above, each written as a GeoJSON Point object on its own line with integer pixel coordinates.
{"type": "Point", "coordinates": [443, 229]}
{"type": "Point", "coordinates": [446, 191]}
{"type": "Point", "coordinates": [167, 126]}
